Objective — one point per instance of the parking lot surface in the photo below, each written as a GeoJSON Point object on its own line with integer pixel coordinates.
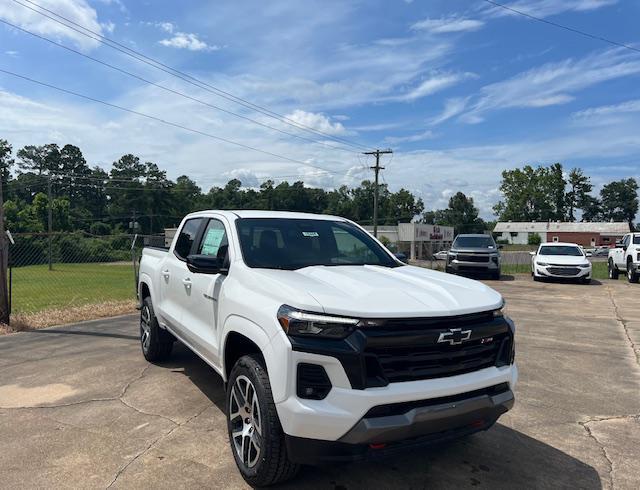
{"type": "Point", "coordinates": [80, 407]}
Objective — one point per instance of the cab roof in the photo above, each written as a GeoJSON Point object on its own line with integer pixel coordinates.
{"type": "Point", "coordinates": [256, 213]}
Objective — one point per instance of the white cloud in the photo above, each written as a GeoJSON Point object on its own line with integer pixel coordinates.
{"type": "Point", "coordinates": [433, 84]}
{"type": "Point", "coordinates": [184, 40]}
{"type": "Point", "coordinates": [452, 107]}
{"type": "Point", "coordinates": [78, 11]}
{"type": "Point", "coordinates": [608, 110]}
{"type": "Point", "coordinates": [546, 8]}
{"type": "Point", "coordinates": [554, 83]}
{"type": "Point", "coordinates": [319, 122]}
{"type": "Point", "coordinates": [165, 26]}
{"type": "Point", "coordinates": [412, 138]}
{"type": "Point", "coordinates": [448, 24]}
{"type": "Point", "coordinates": [108, 27]}
{"type": "Point", "coordinates": [12, 53]}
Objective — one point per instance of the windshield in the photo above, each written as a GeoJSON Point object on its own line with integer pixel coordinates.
{"type": "Point", "coordinates": [560, 250]}
{"type": "Point", "coordinates": [281, 243]}
{"type": "Point", "coordinates": [474, 242]}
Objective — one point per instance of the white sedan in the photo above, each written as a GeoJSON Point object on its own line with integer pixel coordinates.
{"type": "Point", "coordinates": [560, 260]}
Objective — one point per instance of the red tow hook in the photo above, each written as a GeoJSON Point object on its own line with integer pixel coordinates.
{"type": "Point", "coordinates": [377, 446]}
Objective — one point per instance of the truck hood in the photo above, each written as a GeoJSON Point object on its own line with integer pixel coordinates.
{"type": "Point", "coordinates": [374, 291]}
{"type": "Point", "coordinates": [561, 259]}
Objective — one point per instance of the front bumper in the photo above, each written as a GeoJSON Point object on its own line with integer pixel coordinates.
{"type": "Point", "coordinates": [464, 266]}
{"type": "Point", "coordinates": [408, 425]}
{"type": "Point", "coordinates": [335, 416]}
{"type": "Point", "coordinates": [556, 272]}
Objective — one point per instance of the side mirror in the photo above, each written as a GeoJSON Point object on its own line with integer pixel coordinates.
{"type": "Point", "coordinates": [206, 264]}
{"type": "Point", "coordinates": [619, 243]}
{"type": "Point", "coordinates": [401, 257]}
{"type": "Point", "coordinates": [532, 254]}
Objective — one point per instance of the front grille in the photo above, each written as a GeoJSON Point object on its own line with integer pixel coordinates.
{"type": "Point", "coordinates": [563, 271]}
{"type": "Point", "coordinates": [473, 258]}
{"type": "Point", "coordinates": [408, 349]}
{"type": "Point", "coordinates": [410, 363]}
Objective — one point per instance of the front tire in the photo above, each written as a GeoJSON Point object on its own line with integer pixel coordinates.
{"type": "Point", "coordinates": [156, 343]}
{"type": "Point", "coordinates": [613, 270]}
{"type": "Point", "coordinates": [632, 274]}
{"type": "Point", "coordinates": [255, 434]}
{"type": "Point", "coordinates": [585, 280]}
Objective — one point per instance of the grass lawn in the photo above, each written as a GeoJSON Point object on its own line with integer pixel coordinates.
{"type": "Point", "coordinates": [36, 288]}
{"type": "Point", "coordinates": [599, 269]}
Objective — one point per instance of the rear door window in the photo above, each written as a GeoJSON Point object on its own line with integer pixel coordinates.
{"type": "Point", "coordinates": [187, 237]}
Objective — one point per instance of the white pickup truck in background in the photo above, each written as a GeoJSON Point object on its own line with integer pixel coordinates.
{"type": "Point", "coordinates": [625, 257]}
{"type": "Point", "coordinates": [330, 348]}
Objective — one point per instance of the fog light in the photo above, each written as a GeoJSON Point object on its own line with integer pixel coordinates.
{"type": "Point", "coordinates": [313, 382]}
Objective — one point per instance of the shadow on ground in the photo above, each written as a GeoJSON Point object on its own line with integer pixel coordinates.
{"type": "Point", "coordinates": [500, 457]}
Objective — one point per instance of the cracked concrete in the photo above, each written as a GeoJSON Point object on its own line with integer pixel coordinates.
{"type": "Point", "coordinates": [79, 407]}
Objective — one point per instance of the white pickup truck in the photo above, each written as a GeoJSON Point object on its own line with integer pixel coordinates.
{"type": "Point", "coordinates": [330, 348]}
{"type": "Point", "coordinates": [626, 257]}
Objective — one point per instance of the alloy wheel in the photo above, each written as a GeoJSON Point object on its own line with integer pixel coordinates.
{"type": "Point", "coordinates": [145, 327]}
{"type": "Point", "coordinates": [246, 425]}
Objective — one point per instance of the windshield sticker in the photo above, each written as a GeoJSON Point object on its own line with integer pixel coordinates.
{"type": "Point", "coordinates": [310, 233]}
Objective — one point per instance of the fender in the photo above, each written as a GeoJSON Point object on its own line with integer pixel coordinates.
{"type": "Point", "coordinates": [146, 279]}
{"type": "Point", "coordinates": [250, 330]}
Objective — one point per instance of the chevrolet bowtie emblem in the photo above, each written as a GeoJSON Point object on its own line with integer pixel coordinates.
{"type": "Point", "coordinates": [454, 336]}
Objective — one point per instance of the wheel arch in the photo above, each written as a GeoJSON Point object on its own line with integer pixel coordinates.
{"type": "Point", "coordinates": [241, 337]}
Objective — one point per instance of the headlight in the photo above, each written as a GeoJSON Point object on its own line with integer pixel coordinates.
{"type": "Point", "coordinates": [543, 264]}
{"type": "Point", "coordinates": [500, 311]}
{"type": "Point", "coordinates": [585, 265]}
{"type": "Point", "coordinates": [302, 323]}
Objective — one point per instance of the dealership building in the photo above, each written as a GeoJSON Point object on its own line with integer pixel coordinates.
{"type": "Point", "coordinates": [416, 240]}
{"type": "Point", "coordinates": [587, 234]}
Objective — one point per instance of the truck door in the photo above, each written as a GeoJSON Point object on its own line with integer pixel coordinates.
{"type": "Point", "coordinates": [175, 285]}
{"type": "Point", "coordinates": [621, 252]}
{"type": "Point", "coordinates": [201, 318]}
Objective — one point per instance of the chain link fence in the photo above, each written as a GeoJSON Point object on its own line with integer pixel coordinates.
{"type": "Point", "coordinates": [58, 276]}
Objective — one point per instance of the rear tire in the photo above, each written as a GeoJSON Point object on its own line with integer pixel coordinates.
{"type": "Point", "coordinates": [613, 270]}
{"type": "Point", "coordinates": [257, 442]}
{"type": "Point", "coordinates": [156, 343]}
{"type": "Point", "coordinates": [632, 274]}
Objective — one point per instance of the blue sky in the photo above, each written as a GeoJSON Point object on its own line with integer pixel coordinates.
{"type": "Point", "coordinates": [459, 89]}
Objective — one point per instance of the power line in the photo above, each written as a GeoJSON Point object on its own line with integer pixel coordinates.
{"type": "Point", "coordinates": [170, 90]}
{"type": "Point", "coordinates": [561, 26]}
{"type": "Point", "coordinates": [163, 121]}
{"type": "Point", "coordinates": [183, 76]}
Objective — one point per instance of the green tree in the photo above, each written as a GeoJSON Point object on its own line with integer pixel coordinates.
{"type": "Point", "coordinates": [619, 200]}
{"type": "Point", "coordinates": [462, 214]}
{"type": "Point", "coordinates": [532, 194]}
{"type": "Point", "coordinates": [39, 159]}
{"type": "Point", "coordinates": [6, 162]}
{"type": "Point", "coordinates": [534, 239]}
{"type": "Point", "coordinates": [578, 196]}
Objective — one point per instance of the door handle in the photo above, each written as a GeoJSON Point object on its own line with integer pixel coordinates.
{"type": "Point", "coordinates": [166, 273]}
{"type": "Point", "coordinates": [187, 283]}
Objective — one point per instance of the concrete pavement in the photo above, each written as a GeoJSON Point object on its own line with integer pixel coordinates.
{"type": "Point", "coordinates": [80, 407]}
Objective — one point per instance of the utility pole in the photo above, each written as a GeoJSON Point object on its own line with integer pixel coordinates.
{"type": "Point", "coordinates": [49, 219]}
{"type": "Point", "coordinates": [4, 259]}
{"type": "Point", "coordinates": [376, 170]}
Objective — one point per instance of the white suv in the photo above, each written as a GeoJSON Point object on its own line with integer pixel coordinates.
{"type": "Point", "coordinates": [330, 348]}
